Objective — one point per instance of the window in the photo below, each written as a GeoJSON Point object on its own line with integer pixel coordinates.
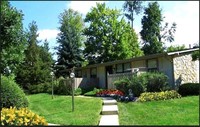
{"type": "Point", "coordinates": [125, 67]}
{"type": "Point", "coordinates": [93, 72]}
{"type": "Point", "coordinates": [152, 65]}
{"type": "Point", "coordinates": [78, 73]}
{"type": "Point", "coordinates": [119, 68]}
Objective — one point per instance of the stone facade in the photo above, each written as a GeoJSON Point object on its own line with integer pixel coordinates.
{"type": "Point", "coordinates": [185, 70]}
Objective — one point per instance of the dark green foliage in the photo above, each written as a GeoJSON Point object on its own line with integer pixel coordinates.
{"type": "Point", "coordinates": [130, 7]}
{"type": "Point", "coordinates": [122, 84]}
{"type": "Point", "coordinates": [40, 88]}
{"type": "Point", "coordinates": [150, 33]}
{"type": "Point", "coordinates": [36, 67]}
{"type": "Point", "coordinates": [133, 83]}
{"type": "Point", "coordinates": [136, 86]}
{"type": "Point", "coordinates": [154, 81]}
{"type": "Point", "coordinates": [188, 89]}
{"type": "Point", "coordinates": [195, 55]}
{"type": "Point", "coordinates": [145, 82]}
{"type": "Point", "coordinates": [70, 41]}
{"type": "Point", "coordinates": [12, 94]}
{"type": "Point", "coordinates": [12, 38]}
{"type": "Point", "coordinates": [108, 38]}
{"type": "Point", "coordinates": [63, 87]}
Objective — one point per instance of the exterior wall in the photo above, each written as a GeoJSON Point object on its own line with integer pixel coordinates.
{"type": "Point", "coordinates": [165, 65]}
{"type": "Point", "coordinates": [185, 70]}
{"type": "Point", "coordinates": [102, 77]}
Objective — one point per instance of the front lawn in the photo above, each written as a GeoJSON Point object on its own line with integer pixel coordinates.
{"type": "Point", "coordinates": [184, 111]}
{"type": "Point", "coordinates": [59, 110]}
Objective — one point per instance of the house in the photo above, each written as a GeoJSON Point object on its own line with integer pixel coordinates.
{"type": "Point", "coordinates": [178, 66]}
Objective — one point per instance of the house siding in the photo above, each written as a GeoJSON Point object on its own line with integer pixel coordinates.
{"type": "Point", "coordinates": [185, 70]}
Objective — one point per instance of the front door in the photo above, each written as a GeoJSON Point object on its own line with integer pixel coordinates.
{"type": "Point", "coordinates": [109, 70]}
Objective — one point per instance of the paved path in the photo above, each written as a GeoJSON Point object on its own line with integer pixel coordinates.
{"type": "Point", "coordinates": [109, 113]}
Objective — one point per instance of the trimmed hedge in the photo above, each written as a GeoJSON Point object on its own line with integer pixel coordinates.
{"type": "Point", "coordinates": [189, 89]}
{"type": "Point", "coordinates": [12, 94]}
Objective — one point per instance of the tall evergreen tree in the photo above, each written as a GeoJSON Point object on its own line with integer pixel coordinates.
{"type": "Point", "coordinates": [36, 66]}
{"type": "Point", "coordinates": [130, 7]}
{"type": "Point", "coordinates": [70, 41]}
{"type": "Point", "coordinates": [150, 32]}
{"type": "Point", "coordinates": [107, 38]}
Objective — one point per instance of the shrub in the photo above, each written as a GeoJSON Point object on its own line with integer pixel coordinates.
{"type": "Point", "coordinates": [19, 117]}
{"type": "Point", "coordinates": [189, 89]}
{"type": "Point", "coordinates": [122, 84]}
{"type": "Point", "coordinates": [136, 86]}
{"type": "Point", "coordinates": [12, 94]}
{"type": "Point", "coordinates": [155, 96]}
{"type": "Point", "coordinates": [63, 87]}
{"type": "Point", "coordinates": [78, 91]}
{"type": "Point", "coordinates": [154, 81]}
{"type": "Point", "coordinates": [93, 92]}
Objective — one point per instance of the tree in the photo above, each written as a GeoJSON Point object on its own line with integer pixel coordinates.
{"type": "Point", "coordinates": [36, 66]}
{"type": "Point", "coordinates": [70, 41]}
{"type": "Point", "coordinates": [12, 38]}
{"type": "Point", "coordinates": [155, 35]}
{"type": "Point", "coordinates": [150, 32]}
{"type": "Point", "coordinates": [107, 38]}
{"type": "Point", "coordinates": [130, 7]}
{"type": "Point", "coordinates": [175, 48]}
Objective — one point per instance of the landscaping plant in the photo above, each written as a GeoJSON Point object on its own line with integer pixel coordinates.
{"type": "Point", "coordinates": [155, 96]}
{"type": "Point", "coordinates": [189, 89]}
{"type": "Point", "coordinates": [20, 117]}
{"type": "Point", "coordinates": [12, 94]}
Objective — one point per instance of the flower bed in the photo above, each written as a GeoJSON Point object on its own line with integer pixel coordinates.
{"type": "Point", "coordinates": [20, 117]}
{"type": "Point", "coordinates": [109, 93]}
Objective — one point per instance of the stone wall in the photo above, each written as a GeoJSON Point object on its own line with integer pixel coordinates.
{"type": "Point", "coordinates": [185, 70]}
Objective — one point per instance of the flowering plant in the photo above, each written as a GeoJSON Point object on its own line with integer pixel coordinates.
{"type": "Point", "coordinates": [19, 117]}
{"type": "Point", "coordinates": [110, 92]}
{"type": "Point", "coordinates": [164, 95]}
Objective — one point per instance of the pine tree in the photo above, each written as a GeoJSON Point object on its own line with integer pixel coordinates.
{"type": "Point", "coordinates": [150, 33]}
{"type": "Point", "coordinates": [70, 41]}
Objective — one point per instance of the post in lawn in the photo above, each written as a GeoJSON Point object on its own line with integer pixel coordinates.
{"type": "Point", "coordinates": [52, 74]}
{"type": "Point", "coordinates": [72, 75]}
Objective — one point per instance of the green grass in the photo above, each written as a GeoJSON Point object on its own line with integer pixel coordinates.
{"type": "Point", "coordinates": [59, 110]}
{"type": "Point", "coordinates": [184, 111]}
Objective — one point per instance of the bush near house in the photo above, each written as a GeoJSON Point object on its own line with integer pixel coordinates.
{"type": "Point", "coordinates": [12, 94]}
{"type": "Point", "coordinates": [155, 96]}
{"type": "Point", "coordinates": [189, 89]}
{"type": "Point", "coordinates": [20, 117]}
{"type": "Point", "coordinates": [145, 82]}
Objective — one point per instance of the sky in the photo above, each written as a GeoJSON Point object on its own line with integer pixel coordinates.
{"type": "Point", "coordinates": [184, 13]}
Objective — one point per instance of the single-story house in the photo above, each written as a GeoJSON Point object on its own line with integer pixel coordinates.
{"type": "Point", "coordinates": [178, 66]}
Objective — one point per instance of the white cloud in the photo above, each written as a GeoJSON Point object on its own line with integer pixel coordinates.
{"type": "Point", "coordinates": [49, 34]}
{"type": "Point", "coordinates": [186, 16]}
{"type": "Point", "coordinates": [83, 6]}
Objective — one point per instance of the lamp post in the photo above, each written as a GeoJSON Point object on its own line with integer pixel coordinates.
{"type": "Point", "coordinates": [72, 75]}
{"type": "Point", "coordinates": [52, 83]}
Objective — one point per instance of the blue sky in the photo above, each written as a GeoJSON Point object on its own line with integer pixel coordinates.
{"type": "Point", "coordinates": [45, 13]}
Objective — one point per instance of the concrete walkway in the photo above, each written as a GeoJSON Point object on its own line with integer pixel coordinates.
{"type": "Point", "coordinates": [109, 113]}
